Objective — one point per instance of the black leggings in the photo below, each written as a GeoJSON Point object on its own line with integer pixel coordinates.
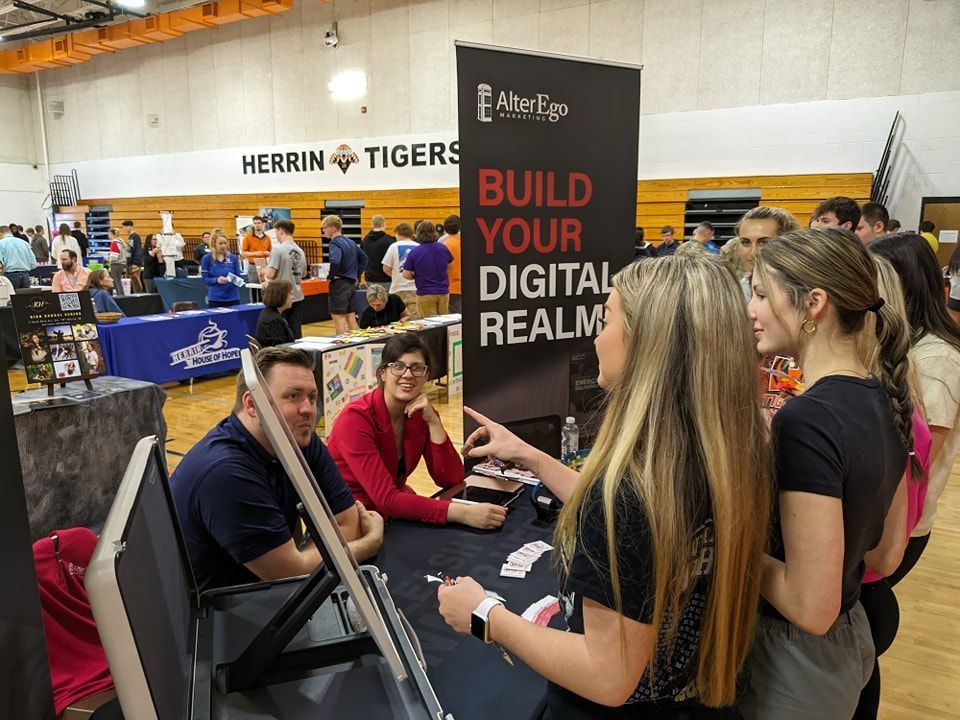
{"type": "Point", "coordinates": [911, 555]}
{"type": "Point", "coordinates": [883, 612]}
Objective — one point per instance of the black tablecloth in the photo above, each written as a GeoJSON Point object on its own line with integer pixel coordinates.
{"type": "Point", "coordinates": [74, 456]}
{"type": "Point", "coordinates": [315, 308]}
{"type": "Point", "coordinates": [8, 329]}
{"type": "Point", "coordinates": [470, 678]}
{"type": "Point", "coordinates": [140, 304]}
{"type": "Point", "coordinates": [44, 273]}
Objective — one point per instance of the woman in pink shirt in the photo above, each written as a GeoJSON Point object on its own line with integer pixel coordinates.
{"type": "Point", "coordinates": [876, 593]}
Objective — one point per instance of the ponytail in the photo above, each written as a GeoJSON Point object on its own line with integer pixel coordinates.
{"type": "Point", "coordinates": [893, 337]}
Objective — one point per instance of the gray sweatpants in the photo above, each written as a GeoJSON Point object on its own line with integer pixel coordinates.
{"type": "Point", "coordinates": [798, 676]}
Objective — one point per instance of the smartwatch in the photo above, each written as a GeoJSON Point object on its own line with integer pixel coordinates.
{"type": "Point", "coordinates": [479, 627]}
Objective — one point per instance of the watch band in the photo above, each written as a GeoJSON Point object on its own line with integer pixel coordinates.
{"type": "Point", "coordinates": [479, 627]}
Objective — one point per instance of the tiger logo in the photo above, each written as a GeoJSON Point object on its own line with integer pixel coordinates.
{"type": "Point", "coordinates": [344, 157]}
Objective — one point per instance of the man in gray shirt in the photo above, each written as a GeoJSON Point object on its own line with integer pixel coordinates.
{"type": "Point", "coordinates": [287, 261]}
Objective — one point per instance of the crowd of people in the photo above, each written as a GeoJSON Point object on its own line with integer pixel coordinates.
{"type": "Point", "coordinates": [744, 573]}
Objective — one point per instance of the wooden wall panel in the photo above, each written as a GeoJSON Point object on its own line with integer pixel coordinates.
{"type": "Point", "coordinates": [662, 202]}
{"type": "Point", "coordinates": [659, 202]}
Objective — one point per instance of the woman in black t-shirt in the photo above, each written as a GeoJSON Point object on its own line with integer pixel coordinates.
{"type": "Point", "coordinates": [841, 449]}
{"type": "Point", "coordinates": [660, 607]}
{"type": "Point", "coordinates": [383, 308]}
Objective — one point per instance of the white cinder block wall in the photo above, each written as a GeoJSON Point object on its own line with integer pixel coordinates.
{"type": "Point", "coordinates": [730, 86]}
{"type": "Point", "coordinates": [21, 184]}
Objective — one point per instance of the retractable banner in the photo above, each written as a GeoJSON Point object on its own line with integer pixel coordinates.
{"type": "Point", "coordinates": [548, 193]}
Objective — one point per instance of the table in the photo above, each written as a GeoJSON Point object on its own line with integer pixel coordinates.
{"type": "Point", "coordinates": [44, 273]}
{"type": "Point", "coordinates": [73, 456]}
{"type": "Point", "coordinates": [470, 678]}
{"type": "Point", "coordinates": [168, 348]}
{"type": "Point", "coordinates": [346, 370]}
{"type": "Point", "coordinates": [173, 290]}
{"type": "Point", "coordinates": [315, 308]}
{"type": "Point", "coordinates": [136, 304]}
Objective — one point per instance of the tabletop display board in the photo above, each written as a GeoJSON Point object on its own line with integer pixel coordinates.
{"type": "Point", "coordinates": [59, 338]}
{"type": "Point", "coordinates": [455, 359]}
{"type": "Point", "coordinates": [347, 374]}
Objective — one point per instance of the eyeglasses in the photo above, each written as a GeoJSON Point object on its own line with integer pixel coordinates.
{"type": "Point", "coordinates": [418, 370]}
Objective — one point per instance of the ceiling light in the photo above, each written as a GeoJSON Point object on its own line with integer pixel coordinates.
{"type": "Point", "coordinates": [131, 3]}
{"type": "Point", "coordinates": [348, 85]}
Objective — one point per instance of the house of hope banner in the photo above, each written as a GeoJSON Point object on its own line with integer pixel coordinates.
{"type": "Point", "coordinates": [548, 193]}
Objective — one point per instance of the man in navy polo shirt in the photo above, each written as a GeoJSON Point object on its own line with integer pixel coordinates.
{"type": "Point", "coordinates": [238, 508]}
{"type": "Point", "coordinates": [347, 261]}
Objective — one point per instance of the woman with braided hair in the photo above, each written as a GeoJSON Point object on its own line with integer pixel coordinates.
{"type": "Point", "coordinates": [841, 449]}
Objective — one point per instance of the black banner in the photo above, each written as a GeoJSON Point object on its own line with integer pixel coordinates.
{"type": "Point", "coordinates": [25, 687]}
{"type": "Point", "coordinates": [548, 193]}
{"type": "Point", "coordinates": [58, 337]}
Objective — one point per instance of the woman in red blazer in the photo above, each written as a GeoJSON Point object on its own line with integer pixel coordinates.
{"type": "Point", "coordinates": [378, 440]}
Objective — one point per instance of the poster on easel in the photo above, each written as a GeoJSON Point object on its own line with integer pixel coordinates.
{"type": "Point", "coordinates": [58, 336]}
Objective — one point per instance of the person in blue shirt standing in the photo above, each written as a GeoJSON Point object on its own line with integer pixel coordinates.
{"type": "Point", "coordinates": [347, 260]}
{"type": "Point", "coordinates": [100, 285]}
{"type": "Point", "coordinates": [216, 267]}
{"type": "Point", "coordinates": [17, 258]}
{"type": "Point", "coordinates": [703, 234]}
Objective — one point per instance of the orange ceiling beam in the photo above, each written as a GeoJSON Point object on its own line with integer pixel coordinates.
{"type": "Point", "coordinates": [80, 46]}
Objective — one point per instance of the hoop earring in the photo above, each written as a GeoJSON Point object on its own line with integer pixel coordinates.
{"type": "Point", "coordinates": [812, 330]}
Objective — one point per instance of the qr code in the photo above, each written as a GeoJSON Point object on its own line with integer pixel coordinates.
{"type": "Point", "coordinates": [69, 301]}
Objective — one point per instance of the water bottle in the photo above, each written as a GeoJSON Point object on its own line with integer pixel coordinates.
{"type": "Point", "coordinates": [569, 439]}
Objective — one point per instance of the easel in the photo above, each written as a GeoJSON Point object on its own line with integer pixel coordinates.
{"type": "Point", "coordinates": [63, 385]}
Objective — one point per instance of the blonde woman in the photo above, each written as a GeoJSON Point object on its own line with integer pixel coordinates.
{"type": "Point", "coordinates": [660, 540]}
{"type": "Point", "coordinates": [220, 271]}
{"type": "Point", "coordinates": [118, 255]}
{"type": "Point", "coordinates": [841, 451]}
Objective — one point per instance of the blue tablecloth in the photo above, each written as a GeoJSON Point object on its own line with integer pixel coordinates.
{"type": "Point", "coordinates": [176, 289]}
{"type": "Point", "coordinates": [199, 342]}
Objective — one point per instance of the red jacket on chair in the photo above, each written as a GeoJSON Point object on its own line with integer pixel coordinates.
{"type": "Point", "coordinates": [364, 449]}
{"type": "Point", "coordinates": [78, 667]}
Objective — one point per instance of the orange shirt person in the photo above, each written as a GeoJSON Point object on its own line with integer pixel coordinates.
{"type": "Point", "coordinates": [451, 226]}
{"type": "Point", "coordinates": [256, 243]}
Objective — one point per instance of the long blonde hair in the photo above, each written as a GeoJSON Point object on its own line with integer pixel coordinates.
{"type": "Point", "coordinates": [683, 430]}
{"type": "Point", "coordinates": [216, 235]}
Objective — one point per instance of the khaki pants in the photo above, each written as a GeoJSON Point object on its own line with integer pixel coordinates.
{"type": "Point", "coordinates": [410, 300]}
{"type": "Point", "coordinates": [430, 305]}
